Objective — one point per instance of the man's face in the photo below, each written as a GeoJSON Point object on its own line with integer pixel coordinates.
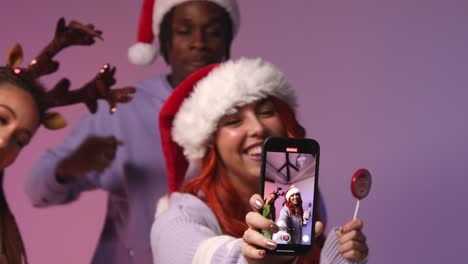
{"type": "Point", "coordinates": [199, 37]}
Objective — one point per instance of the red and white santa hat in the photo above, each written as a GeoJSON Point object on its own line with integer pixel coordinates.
{"type": "Point", "coordinates": [191, 114]}
{"type": "Point", "coordinates": [152, 13]}
{"type": "Point", "coordinates": [292, 190]}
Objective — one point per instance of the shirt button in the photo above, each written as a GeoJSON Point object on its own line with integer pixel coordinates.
{"type": "Point", "coordinates": [131, 252]}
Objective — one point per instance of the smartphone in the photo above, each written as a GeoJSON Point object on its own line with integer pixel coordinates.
{"type": "Point", "coordinates": [289, 182]}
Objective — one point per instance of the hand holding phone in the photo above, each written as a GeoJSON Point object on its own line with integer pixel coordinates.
{"type": "Point", "coordinates": [289, 180]}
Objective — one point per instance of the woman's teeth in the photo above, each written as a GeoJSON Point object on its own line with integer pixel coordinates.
{"type": "Point", "coordinates": [255, 151]}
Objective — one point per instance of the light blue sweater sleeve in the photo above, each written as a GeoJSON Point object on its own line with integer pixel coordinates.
{"type": "Point", "coordinates": [41, 185]}
{"type": "Point", "coordinates": [330, 254]}
{"type": "Point", "coordinates": [188, 232]}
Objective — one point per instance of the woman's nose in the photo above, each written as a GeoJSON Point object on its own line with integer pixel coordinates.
{"type": "Point", "coordinates": [256, 127]}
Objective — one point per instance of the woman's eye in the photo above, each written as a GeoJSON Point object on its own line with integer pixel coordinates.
{"type": "Point", "coordinates": [267, 112]}
{"type": "Point", "coordinates": [266, 109]}
{"type": "Point", "coordinates": [3, 121]}
{"type": "Point", "coordinates": [232, 122]}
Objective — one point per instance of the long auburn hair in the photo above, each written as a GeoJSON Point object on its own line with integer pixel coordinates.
{"type": "Point", "coordinates": [220, 195]}
{"type": "Point", "coordinates": [12, 246]}
{"type": "Point", "coordinates": [295, 210]}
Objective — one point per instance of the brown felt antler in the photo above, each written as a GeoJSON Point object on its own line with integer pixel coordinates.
{"type": "Point", "coordinates": [72, 34]}
{"type": "Point", "coordinates": [97, 88]}
{"type": "Point", "coordinates": [65, 36]}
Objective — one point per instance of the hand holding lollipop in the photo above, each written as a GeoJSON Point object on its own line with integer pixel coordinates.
{"type": "Point", "coordinates": [360, 186]}
{"type": "Point", "coordinates": [352, 240]}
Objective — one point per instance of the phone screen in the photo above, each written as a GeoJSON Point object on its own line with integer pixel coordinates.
{"type": "Point", "coordinates": [289, 176]}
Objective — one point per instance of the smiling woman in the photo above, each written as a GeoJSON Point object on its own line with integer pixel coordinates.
{"type": "Point", "coordinates": [19, 120]}
{"type": "Point", "coordinates": [218, 117]}
{"type": "Point", "coordinates": [23, 107]}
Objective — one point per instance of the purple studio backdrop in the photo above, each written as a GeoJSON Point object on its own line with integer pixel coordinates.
{"type": "Point", "coordinates": [381, 85]}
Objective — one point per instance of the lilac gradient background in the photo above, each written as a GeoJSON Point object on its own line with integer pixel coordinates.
{"type": "Point", "coordinates": [381, 85]}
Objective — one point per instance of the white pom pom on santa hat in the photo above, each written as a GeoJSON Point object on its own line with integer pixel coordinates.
{"type": "Point", "coordinates": [142, 53]}
{"type": "Point", "coordinates": [151, 16]}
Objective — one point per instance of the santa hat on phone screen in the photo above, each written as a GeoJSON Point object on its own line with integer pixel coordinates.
{"type": "Point", "coordinates": [191, 114]}
{"type": "Point", "coordinates": [152, 13]}
{"type": "Point", "coordinates": [292, 190]}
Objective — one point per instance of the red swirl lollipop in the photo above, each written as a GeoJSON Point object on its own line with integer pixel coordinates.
{"type": "Point", "coordinates": [360, 186]}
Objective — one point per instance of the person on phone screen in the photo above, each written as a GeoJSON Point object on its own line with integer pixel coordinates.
{"type": "Point", "coordinates": [292, 218]}
{"type": "Point", "coordinates": [24, 105]}
{"type": "Point", "coordinates": [269, 210]}
{"type": "Point", "coordinates": [219, 117]}
{"type": "Point", "coordinates": [121, 153]}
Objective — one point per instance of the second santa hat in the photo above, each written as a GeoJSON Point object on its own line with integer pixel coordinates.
{"type": "Point", "coordinates": [152, 13]}
{"type": "Point", "coordinates": [291, 190]}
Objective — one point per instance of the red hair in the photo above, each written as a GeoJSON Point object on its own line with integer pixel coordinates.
{"type": "Point", "coordinates": [295, 210]}
{"type": "Point", "coordinates": [219, 193]}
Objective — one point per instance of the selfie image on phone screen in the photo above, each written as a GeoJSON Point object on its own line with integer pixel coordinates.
{"type": "Point", "coordinates": [289, 184]}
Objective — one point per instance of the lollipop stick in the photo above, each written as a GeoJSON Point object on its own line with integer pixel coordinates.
{"type": "Point", "coordinates": [356, 210]}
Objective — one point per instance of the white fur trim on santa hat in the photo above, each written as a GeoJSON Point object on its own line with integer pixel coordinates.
{"type": "Point", "coordinates": [292, 190]}
{"type": "Point", "coordinates": [161, 7]}
{"type": "Point", "coordinates": [230, 85]}
{"type": "Point", "coordinates": [142, 53]}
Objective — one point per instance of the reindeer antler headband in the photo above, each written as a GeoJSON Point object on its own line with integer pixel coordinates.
{"type": "Point", "coordinates": [74, 33]}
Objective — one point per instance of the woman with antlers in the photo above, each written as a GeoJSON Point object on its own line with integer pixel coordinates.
{"type": "Point", "coordinates": [191, 35]}
{"type": "Point", "coordinates": [269, 210]}
{"type": "Point", "coordinates": [23, 108]}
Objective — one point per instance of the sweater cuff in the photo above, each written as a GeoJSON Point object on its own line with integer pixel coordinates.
{"type": "Point", "coordinates": [55, 186]}
{"type": "Point", "coordinates": [330, 252]}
